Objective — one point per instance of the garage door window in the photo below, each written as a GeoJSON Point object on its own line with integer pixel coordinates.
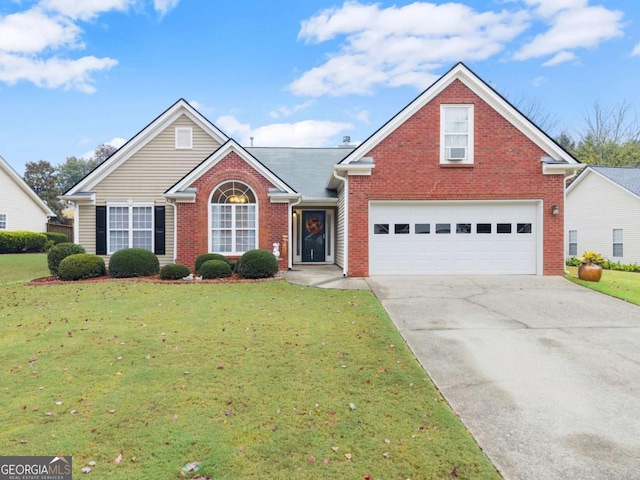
{"type": "Point", "coordinates": [463, 228]}
{"type": "Point", "coordinates": [381, 229]}
{"type": "Point", "coordinates": [443, 228]}
{"type": "Point", "coordinates": [401, 228]}
{"type": "Point", "coordinates": [423, 228]}
{"type": "Point", "coordinates": [503, 228]}
{"type": "Point", "coordinates": [483, 228]}
{"type": "Point", "coordinates": [524, 228]}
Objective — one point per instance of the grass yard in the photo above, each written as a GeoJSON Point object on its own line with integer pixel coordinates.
{"type": "Point", "coordinates": [623, 285]}
{"type": "Point", "coordinates": [261, 380]}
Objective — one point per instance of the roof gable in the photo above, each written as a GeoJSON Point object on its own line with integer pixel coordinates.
{"type": "Point", "coordinates": [626, 178]}
{"type": "Point", "coordinates": [462, 73]}
{"type": "Point", "coordinates": [17, 179]}
{"type": "Point", "coordinates": [208, 163]}
{"type": "Point", "coordinates": [142, 138]}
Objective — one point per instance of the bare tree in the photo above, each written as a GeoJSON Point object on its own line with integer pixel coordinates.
{"type": "Point", "coordinates": [103, 151]}
{"type": "Point", "coordinates": [535, 111]}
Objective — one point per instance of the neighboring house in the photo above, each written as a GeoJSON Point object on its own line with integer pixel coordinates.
{"type": "Point", "coordinates": [458, 181]}
{"type": "Point", "coordinates": [603, 213]}
{"type": "Point", "coordinates": [20, 208]}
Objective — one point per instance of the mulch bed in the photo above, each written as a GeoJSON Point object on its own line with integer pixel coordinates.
{"type": "Point", "coordinates": [152, 279]}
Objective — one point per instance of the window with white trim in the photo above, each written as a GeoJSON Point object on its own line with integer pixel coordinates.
{"type": "Point", "coordinates": [456, 134]}
{"type": "Point", "coordinates": [184, 138]}
{"type": "Point", "coordinates": [233, 219]}
{"type": "Point", "coordinates": [3, 221]}
{"type": "Point", "coordinates": [618, 244]}
{"type": "Point", "coordinates": [573, 243]}
{"type": "Point", "coordinates": [129, 226]}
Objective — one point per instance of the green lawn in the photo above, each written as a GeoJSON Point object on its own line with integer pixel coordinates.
{"type": "Point", "coordinates": [624, 285]}
{"type": "Point", "coordinates": [251, 380]}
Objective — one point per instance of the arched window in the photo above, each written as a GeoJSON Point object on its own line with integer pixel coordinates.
{"type": "Point", "coordinates": [233, 219]}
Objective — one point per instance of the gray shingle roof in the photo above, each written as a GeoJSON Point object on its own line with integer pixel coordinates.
{"type": "Point", "coordinates": [626, 177]}
{"type": "Point", "coordinates": [307, 170]}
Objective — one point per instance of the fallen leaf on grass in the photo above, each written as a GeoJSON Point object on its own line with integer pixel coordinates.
{"type": "Point", "coordinates": [347, 456]}
{"type": "Point", "coordinates": [118, 458]}
{"type": "Point", "coordinates": [85, 470]}
{"type": "Point", "coordinates": [335, 449]}
{"type": "Point", "coordinates": [110, 410]}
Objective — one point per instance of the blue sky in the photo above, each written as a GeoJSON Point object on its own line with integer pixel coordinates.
{"type": "Point", "coordinates": [75, 74]}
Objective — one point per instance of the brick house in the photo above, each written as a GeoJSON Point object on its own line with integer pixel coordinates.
{"type": "Point", "coordinates": [458, 181]}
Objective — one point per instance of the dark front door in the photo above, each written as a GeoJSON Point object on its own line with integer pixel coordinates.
{"type": "Point", "coordinates": [313, 236]}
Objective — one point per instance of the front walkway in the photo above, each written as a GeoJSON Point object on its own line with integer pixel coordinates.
{"type": "Point", "coordinates": [324, 276]}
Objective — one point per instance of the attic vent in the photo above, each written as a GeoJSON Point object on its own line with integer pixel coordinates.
{"type": "Point", "coordinates": [456, 153]}
{"type": "Point", "coordinates": [184, 138]}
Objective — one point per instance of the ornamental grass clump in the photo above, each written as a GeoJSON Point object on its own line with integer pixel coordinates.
{"type": "Point", "coordinates": [133, 262]}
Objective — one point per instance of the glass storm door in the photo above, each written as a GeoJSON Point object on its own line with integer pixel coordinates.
{"type": "Point", "coordinates": [313, 236]}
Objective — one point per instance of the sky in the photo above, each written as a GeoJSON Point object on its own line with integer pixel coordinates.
{"type": "Point", "coordinates": [76, 74]}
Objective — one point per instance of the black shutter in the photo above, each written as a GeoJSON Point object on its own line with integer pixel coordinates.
{"type": "Point", "coordinates": [101, 230]}
{"type": "Point", "coordinates": [159, 232]}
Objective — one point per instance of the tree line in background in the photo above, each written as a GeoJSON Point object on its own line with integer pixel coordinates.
{"type": "Point", "coordinates": [49, 182]}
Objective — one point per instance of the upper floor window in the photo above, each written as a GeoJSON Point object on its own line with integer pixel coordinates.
{"type": "Point", "coordinates": [3, 221]}
{"type": "Point", "coordinates": [184, 137]}
{"type": "Point", "coordinates": [456, 134]}
{"type": "Point", "coordinates": [233, 219]}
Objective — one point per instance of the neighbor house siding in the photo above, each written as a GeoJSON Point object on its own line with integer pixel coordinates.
{"type": "Point", "coordinates": [22, 212]}
{"type": "Point", "coordinates": [407, 167]}
{"type": "Point", "coordinates": [594, 208]}
{"type": "Point", "coordinates": [146, 175]}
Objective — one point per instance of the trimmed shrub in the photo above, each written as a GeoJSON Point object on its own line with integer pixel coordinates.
{"type": "Point", "coordinates": [22, 242]}
{"type": "Point", "coordinates": [55, 237]}
{"type": "Point", "coordinates": [59, 252]}
{"type": "Point", "coordinates": [133, 262]}
{"type": "Point", "coordinates": [174, 271]}
{"type": "Point", "coordinates": [80, 266]}
{"type": "Point", "coordinates": [205, 257]}
{"type": "Point", "coordinates": [215, 269]}
{"type": "Point", "coordinates": [257, 264]}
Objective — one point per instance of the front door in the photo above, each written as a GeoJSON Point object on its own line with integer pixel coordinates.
{"type": "Point", "coordinates": [313, 236]}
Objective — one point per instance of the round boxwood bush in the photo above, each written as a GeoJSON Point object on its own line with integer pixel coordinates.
{"type": "Point", "coordinates": [133, 262]}
{"type": "Point", "coordinates": [174, 271]}
{"type": "Point", "coordinates": [59, 252]}
{"type": "Point", "coordinates": [215, 269]}
{"type": "Point", "coordinates": [257, 264]}
{"type": "Point", "coordinates": [205, 257]}
{"type": "Point", "coordinates": [80, 266]}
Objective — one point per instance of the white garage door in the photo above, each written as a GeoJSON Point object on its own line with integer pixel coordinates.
{"type": "Point", "coordinates": [453, 237]}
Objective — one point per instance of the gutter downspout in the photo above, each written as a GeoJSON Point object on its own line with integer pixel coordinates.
{"type": "Point", "coordinates": [345, 181]}
{"type": "Point", "coordinates": [564, 214]}
{"type": "Point", "coordinates": [290, 228]}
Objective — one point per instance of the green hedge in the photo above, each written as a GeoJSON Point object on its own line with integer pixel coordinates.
{"type": "Point", "coordinates": [22, 242]}
{"type": "Point", "coordinates": [174, 271]}
{"type": "Point", "coordinates": [55, 237]}
{"type": "Point", "coordinates": [59, 252]}
{"type": "Point", "coordinates": [215, 269]}
{"type": "Point", "coordinates": [205, 257]}
{"type": "Point", "coordinates": [81, 266]}
{"type": "Point", "coordinates": [133, 262]}
{"type": "Point", "coordinates": [257, 264]}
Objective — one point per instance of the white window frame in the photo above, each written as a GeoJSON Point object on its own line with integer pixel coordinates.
{"type": "Point", "coordinates": [130, 229]}
{"type": "Point", "coordinates": [573, 242]}
{"type": "Point", "coordinates": [617, 240]}
{"type": "Point", "coordinates": [179, 138]}
{"type": "Point", "coordinates": [3, 221]}
{"type": "Point", "coordinates": [469, 158]}
{"type": "Point", "coordinates": [234, 229]}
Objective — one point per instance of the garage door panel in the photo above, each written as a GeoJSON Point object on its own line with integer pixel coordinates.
{"type": "Point", "coordinates": [473, 244]}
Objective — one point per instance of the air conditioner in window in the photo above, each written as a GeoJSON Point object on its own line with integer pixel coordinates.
{"type": "Point", "coordinates": [455, 153]}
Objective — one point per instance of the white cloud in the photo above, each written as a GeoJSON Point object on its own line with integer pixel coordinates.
{"type": "Point", "coordinates": [573, 25]}
{"type": "Point", "coordinates": [284, 111]}
{"type": "Point", "coordinates": [164, 6]}
{"type": "Point", "coordinates": [307, 133]}
{"type": "Point", "coordinates": [87, 9]}
{"type": "Point", "coordinates": [560, 57]}
{"type": "Point", "coordinates": [636, 50]}
{"type": "Point", "coordinates": [538, 81]}
{"type": "Point", "coordinates": [33, 31]}
{"type": "Point", "coordinates": [399, 46]}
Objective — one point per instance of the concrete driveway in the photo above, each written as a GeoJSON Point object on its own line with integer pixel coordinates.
{"type": "Point", "coordinates": [544, 373]}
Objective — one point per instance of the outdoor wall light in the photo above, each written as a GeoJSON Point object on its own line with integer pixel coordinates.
{"type": "Point", "coordinates": [555, 209]}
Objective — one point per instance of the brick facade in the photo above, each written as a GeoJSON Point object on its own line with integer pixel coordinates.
{"type": "Point", "coordinates": [193, 218]}
{"type": "Point", "coordinates": [407, 167]}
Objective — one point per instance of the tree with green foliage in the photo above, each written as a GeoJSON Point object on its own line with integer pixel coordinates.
{"type": "Point", "coordinates": [42, 177]}
{"type": "Point", "coordinates": [72, 171]}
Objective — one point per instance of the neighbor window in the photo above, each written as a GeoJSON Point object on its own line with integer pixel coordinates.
{"type": "Point", "coordinates": [3, 221]}
{"type": "Point", "coordinates": [617, 242]}
{"type": "Point", "coordinates": [129, 226]}
{"type": "Point", "coordinates": [184, 137]}
{"type": "Point", "coordinates": [233, 219]}
{"type": "Point", "coordinates": [456, 134]}
{"type": "Point", "coordinates": [573, 242]}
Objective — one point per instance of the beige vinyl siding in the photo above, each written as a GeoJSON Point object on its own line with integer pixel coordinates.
{"type": "Point", "coordinates": [594, 208]}
{"type": "Point", "coordinates": [340, 218]}
{"type": "Point", "coordinates": [23, 213]}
